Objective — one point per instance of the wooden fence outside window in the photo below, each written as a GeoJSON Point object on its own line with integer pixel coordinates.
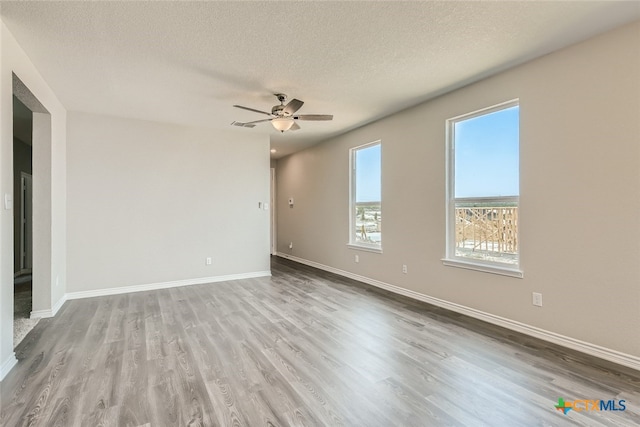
{"type": "Point", "coordinates": [487, 228]}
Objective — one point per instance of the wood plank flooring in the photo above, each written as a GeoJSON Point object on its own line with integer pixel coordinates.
{"type": "Point", "coordinates": [302, 348]}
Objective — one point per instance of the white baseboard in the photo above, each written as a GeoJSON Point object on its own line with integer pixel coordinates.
{"type": "Point", "coordinates": [49, 313]}
{"type": "Point", "coordinates": [7, 365]}
{"type": "Point", "coordinates": [11, 361]}
{"type": "Point", "coordinates": [565, 341]}
{"type": "Point", "coordinates": [164, 285]}
{"type": "Point", "coordinates": [140, 288]}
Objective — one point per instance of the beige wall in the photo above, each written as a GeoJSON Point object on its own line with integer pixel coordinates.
{"type": "Point", "coordinates": [579, 196]}
{"type": "Point", "coordinates": [148, 202]}
{"type": "Point", "coordinates": [49, 197]}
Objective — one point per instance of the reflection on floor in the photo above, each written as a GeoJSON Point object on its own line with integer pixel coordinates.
{"type": "Point", "coordinates": [22, 323]}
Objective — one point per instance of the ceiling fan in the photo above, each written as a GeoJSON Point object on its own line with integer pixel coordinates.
{"type": "Point", "coordinates": [282, 116]}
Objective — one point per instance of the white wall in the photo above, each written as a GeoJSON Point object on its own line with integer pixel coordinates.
{"type": "Point", "coordinates": [148, 202]}
{"type": "Point", "coordinates": [579, 196]}
{"type": "Point", "coordinates": [49, 193]}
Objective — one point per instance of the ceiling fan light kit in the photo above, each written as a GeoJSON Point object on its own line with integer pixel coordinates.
{"type": "Point", "coordinates": [282, 123]}
{"type": "Point", "coordinates": [281, 116]}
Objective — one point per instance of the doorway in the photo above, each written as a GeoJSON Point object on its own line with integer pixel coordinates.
{"type": "Point", "coordinates": [26, 224]}
{"type": "Point", "coordinates": [22, 219]}
{"type": "Point", "coordinates": [272, 221]}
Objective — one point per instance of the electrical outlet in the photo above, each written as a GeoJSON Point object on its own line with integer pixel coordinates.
{"type": "Point", "coordinates": [537, 299]}
{"type": "Point", "coordinates": [357, 259]}
{"type": "Point", "coordinates": [290, 245]}
{"type": "Point", "coordinates": [208, 261]}
{"type": "Point", "coordinates": [404, 268]}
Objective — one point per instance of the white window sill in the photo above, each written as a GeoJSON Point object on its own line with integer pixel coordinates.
{"type": "Point", "coordinates": [366, 248]}
{"type": "Point", "coordinates": [486, 268]}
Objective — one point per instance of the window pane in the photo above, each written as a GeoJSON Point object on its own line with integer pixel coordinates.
{"type": "Point", "coordinates": [487, 155]}
{"type": "Point", "coordinates": [367, 214]}
{"type": "Point", "coordinates": [484, 223]}
{"type": "Point", "coordinates": [368, 174]}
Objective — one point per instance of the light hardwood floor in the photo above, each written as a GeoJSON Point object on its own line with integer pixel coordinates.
{"type": "Point", "coordinates": [303, 348]}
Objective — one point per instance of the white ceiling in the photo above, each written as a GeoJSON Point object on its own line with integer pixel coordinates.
{"type": "Point", "coordinates": [189, 62]}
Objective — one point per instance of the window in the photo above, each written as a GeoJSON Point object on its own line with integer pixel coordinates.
{"type": "Point", "coordinates": [483, 190]}
{"type": "Point", "coordinates": [365, 207]}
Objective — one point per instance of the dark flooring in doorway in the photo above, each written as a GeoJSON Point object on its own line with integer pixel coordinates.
{"type": "Point", "coordinates": [22, 323]}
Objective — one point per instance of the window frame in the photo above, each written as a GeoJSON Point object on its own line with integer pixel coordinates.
{"type": "Point", "coordinates": [353, 243]}
{"type": "Point", "coordinates": [451, 259]}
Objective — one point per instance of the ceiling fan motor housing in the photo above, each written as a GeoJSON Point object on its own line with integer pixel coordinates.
{"type": "Point", "coordinates": [277, 110]}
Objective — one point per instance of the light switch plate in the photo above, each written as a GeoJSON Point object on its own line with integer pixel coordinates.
{"type": "Point", "coordinates": [537, 299]}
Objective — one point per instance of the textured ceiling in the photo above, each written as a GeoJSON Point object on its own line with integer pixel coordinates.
{"type": "Point", "coordinates": [189, 62]}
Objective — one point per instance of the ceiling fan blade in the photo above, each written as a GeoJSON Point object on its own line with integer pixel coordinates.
{"type": "Point", "coordinates": [314, 117]}
{"type": "Point", "coordinates": [294, 126]}
{"type": "Point", "coordinates": [252, 109]}
{"type": "Point", "coordinates": [242, 125]}
{"type": "Point", "coordinates": [258, 121]}
{"type": "Point", "coordinates": [293, 106]}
